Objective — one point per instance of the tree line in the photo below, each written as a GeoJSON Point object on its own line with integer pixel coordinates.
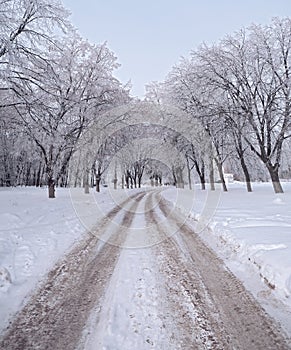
{"type": "Point", "coordinates": [53, 85]}
{"type": "Point", "coordinates": [61, 105]}
{"type": "Point", "coordinates": [239, 90]}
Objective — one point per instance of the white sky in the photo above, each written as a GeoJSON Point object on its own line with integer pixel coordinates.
{"type": "Point", "coordinates": [149, 37]}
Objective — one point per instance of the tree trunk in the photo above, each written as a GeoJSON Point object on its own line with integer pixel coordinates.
{"type": "Point", "coordinates": [156, 181]}
{"type": "Point", "coordinates": [92, 178]}
{"type": "Point", "coordinates": [42, 176]}
{"type": "Point", "coordinates": [37, 182]}
{"type": "Point", "coordinates": [76, 180]}
{"type": "Point", "coordinates": [27, 174]}
{"type": "Point", "coordinates": [211, 175]}
{"type": "Point", "coordinates": [174, 176]}
{"type": "Point", "coordinates": [202, 181]}
{"type": "Point", "coordinates": [189, 174]}
{"type": "Point", "coordinates": [98, 180]}
{"type": "Point", "coordinates": [246, 174]}
{"type": "Point", "coordinates": [201, 173]}
{"type": "Point", "coordinates": [51, 188]}
{"type": "Point", "coordinates": [139, 181]}
{"type": "Point", "coordinates": [274, 174]}
{"type": "Point", "coordinates": [76, 175]}
{"type": "Point", "coordinates": [127, 181]}
{"type": "Point", "coordinates": [115, 178]}
{"type": "Point", "coordinates": [122, 182]}
{"type": "Point", "coordinates": [86, 182]}
{"type": "Point", "coordinates": [221, 176]}
{"type": "Point", "coordinates": [179, 177]}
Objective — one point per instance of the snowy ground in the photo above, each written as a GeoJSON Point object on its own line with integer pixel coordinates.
{"type": "Point", "coordinates": [252, 233]}
{"type": "Point", "coordinates": [36, 231]}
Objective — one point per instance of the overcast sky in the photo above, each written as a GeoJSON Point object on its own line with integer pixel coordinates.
{"type": "Point", "coordinates": [149, 37]}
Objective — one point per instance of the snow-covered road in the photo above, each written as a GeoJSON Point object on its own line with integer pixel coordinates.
{"type": "Point", "coordinates": [153, 285]}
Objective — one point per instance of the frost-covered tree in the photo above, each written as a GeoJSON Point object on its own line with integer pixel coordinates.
{"type": "Point", "coordinates": [72, 90]}
{"type": "Point", "coordinates": [253, 68]}
{"type": "Point", "coordinates": [240, 90]}
{"type": "Point", "coordinates": [26, 23]}
{"type": "Point", "coordinates": [27, 28]}
{"type": "Point", "coordinates": [183, 88]}
{"type": "Point", "coordinates": [54, 86]}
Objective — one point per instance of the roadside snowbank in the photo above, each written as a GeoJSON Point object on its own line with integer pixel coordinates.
{"type": "Point", "coordinates": [250, 231]}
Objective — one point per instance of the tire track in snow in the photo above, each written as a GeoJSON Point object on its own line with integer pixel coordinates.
{"type": "Point", "coordinates": [56, 314]}
{"type": "Point", "coordinates": [189, 325]}
{"type": "Point", "coordinates": [239, 322]}
{"type": "Point", "coordinates": [130, 317]}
